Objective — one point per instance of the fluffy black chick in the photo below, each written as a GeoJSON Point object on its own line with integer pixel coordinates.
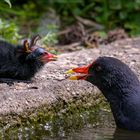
{"type": "Point", "coordinates": [20, 63]}
{"type": "Point", "coordinates": [119, 85]}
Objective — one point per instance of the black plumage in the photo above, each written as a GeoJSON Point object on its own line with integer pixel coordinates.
{"type": "Point", "coordinates": [120, 85]}
{"type": "Point", "coordinates": [20, 63]}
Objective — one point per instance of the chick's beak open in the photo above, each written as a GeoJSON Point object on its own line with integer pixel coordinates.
{"type": "Point", "coordinates": [48, 57]}
{"type": "Point", "coordinates": [52, 57]}
{"type": "Point", "coordinates": [81, 70]}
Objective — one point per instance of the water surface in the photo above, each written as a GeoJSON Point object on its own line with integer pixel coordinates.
{"type": "Point", "coordinates": [88, 125]}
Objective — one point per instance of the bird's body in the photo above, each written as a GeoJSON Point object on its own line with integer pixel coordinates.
{"type": "Point", "coordinates": [12, 66]}
{"type": "Point", "coordinates": [17, 63]}
{"type": "Point", "coordinates": [120, 86]}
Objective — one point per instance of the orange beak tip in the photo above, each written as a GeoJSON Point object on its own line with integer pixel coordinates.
{"type": "Point", "coordinates": [53, 58]}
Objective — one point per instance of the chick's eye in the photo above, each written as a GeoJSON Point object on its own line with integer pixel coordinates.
{"type": "Point", "coordinates": [98, 68]}
{"type": "Point", "coordinates": [45, 53]}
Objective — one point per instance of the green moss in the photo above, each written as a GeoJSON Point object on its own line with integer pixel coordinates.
{"type": "Point", "coordinates": [62, 117]}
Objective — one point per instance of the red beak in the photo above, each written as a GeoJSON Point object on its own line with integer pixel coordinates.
{"type": "Point", "coordinates": [48, 57]}
{"type": "Point", "coordinates": [83, 70]}
{"type": "Point", "coordinates": [51, 57]}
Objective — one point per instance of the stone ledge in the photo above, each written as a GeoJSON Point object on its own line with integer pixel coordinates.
{"type": "Point", "coordinates": [50, 85]}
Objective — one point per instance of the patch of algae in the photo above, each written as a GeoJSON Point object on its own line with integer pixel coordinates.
{"type": "Point", "coordinates": [57, 119]}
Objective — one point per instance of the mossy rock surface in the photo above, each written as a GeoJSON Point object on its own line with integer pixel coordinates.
{"type": "Point", "coordinates": [51, 92]}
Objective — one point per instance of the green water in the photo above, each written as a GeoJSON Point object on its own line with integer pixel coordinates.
{"type": "Point", "coordinates": [66, 126]}
{"type": "Point", "coordinates": [87, 125]}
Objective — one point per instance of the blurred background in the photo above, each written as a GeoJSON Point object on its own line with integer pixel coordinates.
{"type": "Point", "coordinates": [70, 23]}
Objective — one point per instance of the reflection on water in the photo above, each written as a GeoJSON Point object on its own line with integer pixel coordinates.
{"type": "Point", "coordinates": [85, 126]}
{"type": "Point", "coordinates": [103, 134]}
{"type": "Point", "coordinates": [125, 135]}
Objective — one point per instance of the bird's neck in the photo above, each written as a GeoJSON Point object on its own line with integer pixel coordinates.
{"type": "Point", "coordinates": [120, 90]}
{"type": "Point", "coordinates": [34, 67]}
{"type": "Point", "coordinates": [125, 106]}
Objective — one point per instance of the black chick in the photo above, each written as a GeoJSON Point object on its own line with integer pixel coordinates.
{"type": "Point", "coordinates": [20, 63]}
{"type": "Point", "coordinates": [119, 85]}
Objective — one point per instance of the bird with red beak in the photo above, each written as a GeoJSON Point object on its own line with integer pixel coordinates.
{"type": "Point", "coordinates": [20, 63]}
{"type": "Point", "coordinates": [120, 86]}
